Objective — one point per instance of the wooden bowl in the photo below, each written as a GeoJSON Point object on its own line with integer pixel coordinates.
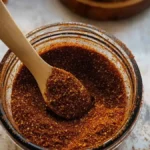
{"type": "Point", "coordinates": [5, 1]}
{"type": "Point", "coordinates": [107, 10]}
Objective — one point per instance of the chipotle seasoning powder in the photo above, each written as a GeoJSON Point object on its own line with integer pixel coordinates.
{"type": "Point", "coordinates": [66, 96]}
{"type": "Point", "coordinates": [100, 77]}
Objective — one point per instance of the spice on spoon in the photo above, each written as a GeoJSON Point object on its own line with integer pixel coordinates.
{"type": "Point", "coordinates": [66, 96]}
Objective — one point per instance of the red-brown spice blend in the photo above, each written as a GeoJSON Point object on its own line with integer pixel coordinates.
{"type": "Point", "coordinates": [100, 77]}
{"type": "Point", "coordinates": [66, 96]}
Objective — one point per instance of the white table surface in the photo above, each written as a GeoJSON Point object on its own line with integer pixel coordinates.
{"type": "Point", "coordinates": [134, 32]}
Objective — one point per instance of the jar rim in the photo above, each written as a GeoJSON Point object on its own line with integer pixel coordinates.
{"type": "Point", "coordinates": [20, 139]}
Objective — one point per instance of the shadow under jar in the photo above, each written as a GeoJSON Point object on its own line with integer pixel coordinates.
{"type": "Point", "coordinates": [101, 127]}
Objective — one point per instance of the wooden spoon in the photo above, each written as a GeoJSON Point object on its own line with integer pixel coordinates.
{"type": "Point", "coordinates": [49, 78]}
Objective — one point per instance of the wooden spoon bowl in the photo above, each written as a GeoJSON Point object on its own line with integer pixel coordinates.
{"type": "Point", "coordinates": [100, 10]}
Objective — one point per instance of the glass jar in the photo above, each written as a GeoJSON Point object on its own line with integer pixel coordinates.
{"type": "Point", "coordinates": [82, 34]}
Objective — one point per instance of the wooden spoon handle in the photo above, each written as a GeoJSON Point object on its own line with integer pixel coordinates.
{"type": "Point", "coordinates": [11, 35]}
